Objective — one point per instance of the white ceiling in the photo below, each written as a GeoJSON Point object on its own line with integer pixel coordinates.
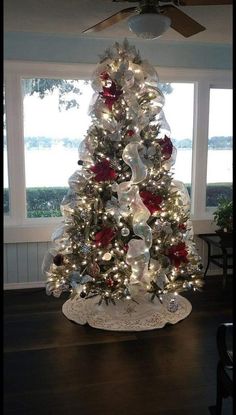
{"type": "Point", "coordinates": [71, 17]}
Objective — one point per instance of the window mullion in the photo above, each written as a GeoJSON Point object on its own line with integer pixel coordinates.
{"type": "Point", "coordinates": [200, 146]}
{"type": "Point", "coordinates": [15, 146]}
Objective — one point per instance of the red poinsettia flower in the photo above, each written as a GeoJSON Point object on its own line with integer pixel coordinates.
{"type": "Point", "coordinates": [110, 94]}
{"type": "Point", "coordinates": [110, 282]}
{"type": "Point", "coordinates": [166, 147]}
{"type": "Point", "coordinates": [104, 76]}
{"type": "Point", "coordinates": [151, 201]}
{"type": "Point", "coordinates": [105, 236]}
{"type": "Point", "coordinates": [103, 171]}
{"type": "Point", "coordinates": [177, 254]}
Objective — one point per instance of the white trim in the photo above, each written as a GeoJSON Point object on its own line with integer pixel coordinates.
{"type": "Point", "coordinates": [200, 148]}
{"type": "Point", "coordinates": [49, 70]}
{"type": "Point", "coordinates": [33, 232]}
{"type": "Point", "coordinates": [15, 148]}
{"type": "Point", "coordinates": [85, 70]}
{"type": "Point", "coordinates": [23, 285]}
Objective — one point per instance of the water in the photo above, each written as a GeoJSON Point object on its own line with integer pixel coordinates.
{"type": "Point", "coordinates": [53, 167]}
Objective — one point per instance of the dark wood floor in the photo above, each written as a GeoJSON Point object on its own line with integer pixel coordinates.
{"type": "Point", "coordinates": [53, 366]}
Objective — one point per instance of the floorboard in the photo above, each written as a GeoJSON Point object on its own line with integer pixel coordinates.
{"type": "Point", "coordinates": [53, 366]}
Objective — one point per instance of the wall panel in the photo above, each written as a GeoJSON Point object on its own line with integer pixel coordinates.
{"type": "Point", "coordinates": [23, 261]}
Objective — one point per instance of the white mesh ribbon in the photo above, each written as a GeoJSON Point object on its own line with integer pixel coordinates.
{"type": "Point", "coordinates": [183, 192]}
{"type": "Point", "coordinates": [138, 255]}
{"type": "Point", "coordinates": [131, 157]}
{"type": "Point", "coordinates": [185, 201]}
{"type": "Point", "coordinates": [85, 151]}
{"type": "Point", "coordinates": [164, 126]}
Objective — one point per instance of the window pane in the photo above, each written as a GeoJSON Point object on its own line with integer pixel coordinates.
{"type": "Point", "coordinates": [219, 163]}
{"type": "Point", "coordinates": [178, 111]}
{"type": "Point", "coordinates": [55, 122]}
{"type": "Point", "coordinates": [5, 163]}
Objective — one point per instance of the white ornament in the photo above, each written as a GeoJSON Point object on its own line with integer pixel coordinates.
{"type": "Point", "coordinates": [107, 256]}
{"type": "Point", "coordinates": [125, 231]}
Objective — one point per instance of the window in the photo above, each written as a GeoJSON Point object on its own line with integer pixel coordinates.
{"type": "Point", "coordinates": [178, 111]}
{"type": "Point", "coordinates": [6, 205]}
{"type": "Point", "coordinates": [55, 122]}
{"type": "Point", "coordinates": [41, 155]}
{"type": "Point", "coordinates": [219, 162]}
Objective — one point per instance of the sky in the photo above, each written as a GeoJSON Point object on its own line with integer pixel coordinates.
{"type": "Point", "coordinates": [42, 118]}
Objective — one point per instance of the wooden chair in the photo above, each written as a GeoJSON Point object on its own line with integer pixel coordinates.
{"type": "Point", "coordinates": [224, 338]}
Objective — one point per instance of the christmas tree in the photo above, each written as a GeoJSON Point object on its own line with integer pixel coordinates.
{"type": "Point", "coordinates": [126, 227]}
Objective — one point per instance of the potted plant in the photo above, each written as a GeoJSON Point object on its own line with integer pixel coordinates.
{"type": "Point", "coordinates": [223, 215]}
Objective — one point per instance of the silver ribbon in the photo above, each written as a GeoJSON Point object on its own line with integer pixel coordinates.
{"type": "Point", "coordinates": [138, 254]}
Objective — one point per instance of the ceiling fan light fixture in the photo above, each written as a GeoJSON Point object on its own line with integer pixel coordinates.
{"type": "Point", "coordinates": [149, 25]}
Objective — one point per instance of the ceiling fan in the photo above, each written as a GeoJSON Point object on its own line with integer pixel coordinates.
{"type": "Point", "coordinates": [151, 18]}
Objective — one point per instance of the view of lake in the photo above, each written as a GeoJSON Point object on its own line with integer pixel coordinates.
{"type": "Point", "coordinates": [53, 167]}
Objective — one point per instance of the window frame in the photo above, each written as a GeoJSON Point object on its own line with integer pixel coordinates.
{"type": "Point", "coordinates": [18, 228]}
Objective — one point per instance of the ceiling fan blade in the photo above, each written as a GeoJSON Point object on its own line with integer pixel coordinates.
{"type": "Point", "coordinates": [203, 2]}
{"type": "Point", "coordinates": [187, 2]}
{"type": "Point", "coordinates": [181, 22]}
{"type": "Point", "coordinates": [115, 18]}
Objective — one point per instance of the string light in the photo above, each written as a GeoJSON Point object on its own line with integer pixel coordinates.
{"type": "Point", "coordinates": [130, 111]}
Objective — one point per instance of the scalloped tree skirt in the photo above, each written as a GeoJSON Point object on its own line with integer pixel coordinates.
{"type": "Point", "coordinates": [128, 315]}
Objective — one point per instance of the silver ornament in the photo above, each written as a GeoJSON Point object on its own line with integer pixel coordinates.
{"type": "Point", "coordinates": [78, 237]}
{"type": "Point", "coordinates": [85, 215]}
{"type": "Point", "coordinates": [157, 226]}
{"type": "Point", "coordinates": [125, 231]}
{"type": "Point", "coordinates": [107, 256]}
{"type": "Point", "coordinates": [85, 249]}
{"type": "Point", "coordinates": [173, 305]}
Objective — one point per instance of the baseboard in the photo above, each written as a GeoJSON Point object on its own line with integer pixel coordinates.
{"type": "Point", "coordinates": [217, 273]}
{"type": "Point", "coordinates": [23, 285]}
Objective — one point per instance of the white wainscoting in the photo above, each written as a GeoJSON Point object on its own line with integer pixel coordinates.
{"type": "Point", "coordinates": [23, 261]}
{"type": "Point", "coordinates": [22, 264]}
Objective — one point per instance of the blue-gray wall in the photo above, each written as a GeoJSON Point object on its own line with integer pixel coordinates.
{"type": "Point", "coordinates": [73, 49]}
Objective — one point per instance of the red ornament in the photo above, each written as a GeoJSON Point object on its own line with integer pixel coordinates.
{"type": "Point", "coordinates": [110, 282]}
{"type": "Point", "coordinates": [126, 247]}
{"type": "Point", "coordinates": [182, 227]}
{"type": "Point", "coordinates": [130, 133]}
{"type": "Point", "coordinates": [166, 147]}
{"type": "Point", "coordinates": [104, 237]}
{"type": "Point", "coordinates": [103, 171]}
{"type": "Point", "coordinates": [58, 260]}
{"type": "Point", "coordinates": [151, 201]}
{"type": "Point", "coordinates": [177, 254]}
{"type": "Point", "coordinates": [93, 269]}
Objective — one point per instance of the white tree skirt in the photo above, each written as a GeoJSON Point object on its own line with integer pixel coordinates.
{"type": "Point", "coordinates": [126, 315]}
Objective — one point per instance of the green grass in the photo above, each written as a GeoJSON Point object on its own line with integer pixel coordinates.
{"type": "Point", "coordinates": [45, 201]}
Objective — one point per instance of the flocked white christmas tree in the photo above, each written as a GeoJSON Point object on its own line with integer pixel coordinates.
{"type": "Point", "coordinates": [126, 235]}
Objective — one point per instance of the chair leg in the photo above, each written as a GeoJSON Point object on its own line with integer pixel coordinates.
{"type": "Point", "coordinates": [219, 392]}
{"type": "Point", "coordinates": [208, 258]}
{"type": "Point", "coordinates": [224, 271]}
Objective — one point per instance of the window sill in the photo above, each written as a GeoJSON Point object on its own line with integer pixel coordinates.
{"type": "Point", "coordinates": [32, 230]}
